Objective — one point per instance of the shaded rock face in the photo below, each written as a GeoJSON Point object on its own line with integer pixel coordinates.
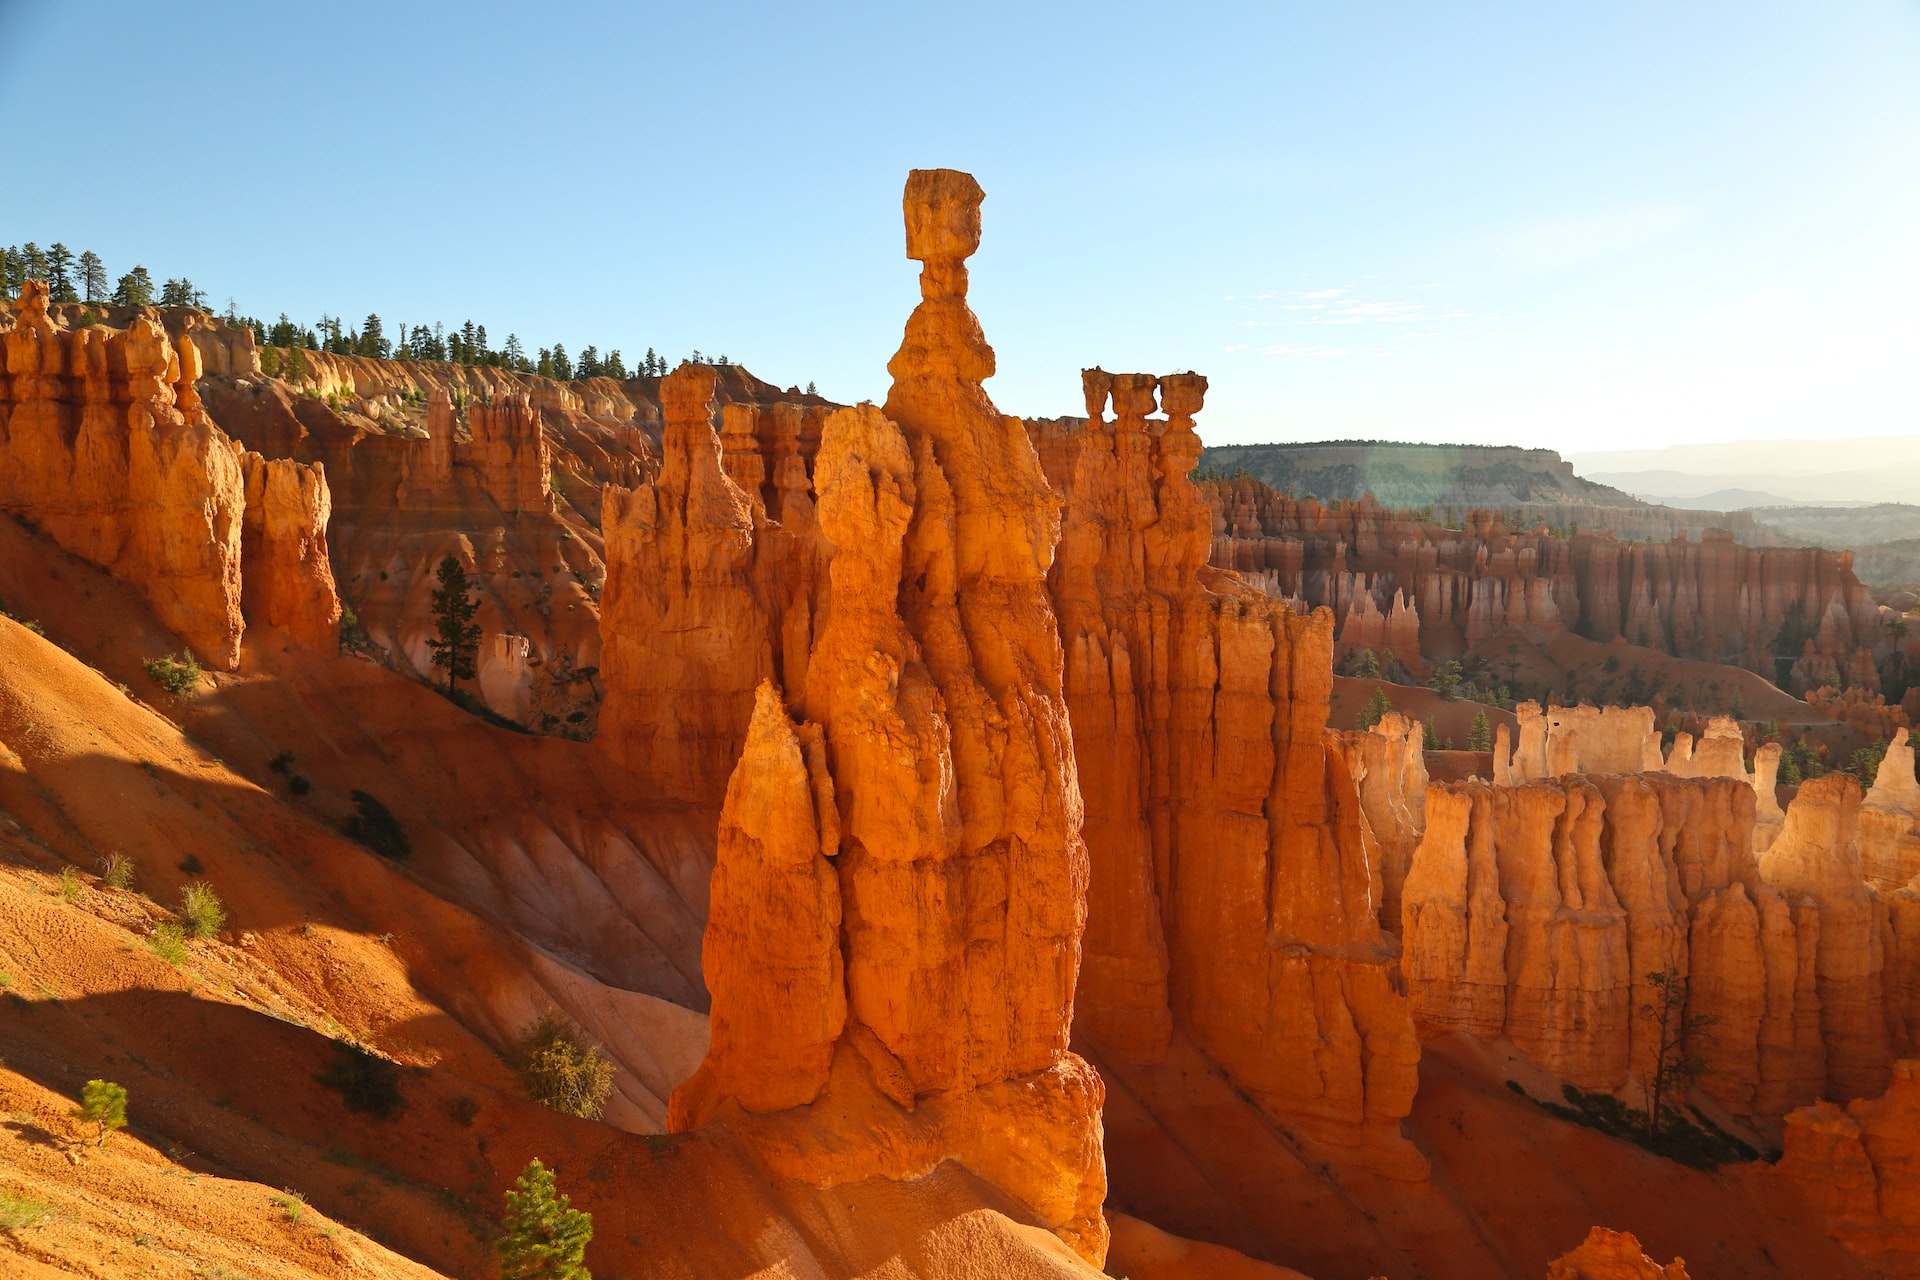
{"type": "Point", "coordinates": [1860, 1166]}
{"type": "Point", "coordinates": [1710, 599]}
{"type": "Point", "coordinates": [1537, 912]}
{"type": "Point", "coordinates": [106, 448]}
{"type": "Point", "coordinates": [1235, 879]}
{"type": "Point", "coordinates": [896, 915]}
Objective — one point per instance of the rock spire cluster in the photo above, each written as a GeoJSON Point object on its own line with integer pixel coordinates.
{"type": "Point", "coordinates": [106, 448]}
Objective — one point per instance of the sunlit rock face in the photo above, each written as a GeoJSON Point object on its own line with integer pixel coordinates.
{"type": "Point", "coordinates": [106, 448]}
{"type": "Point", "coordinates": [900, 895]}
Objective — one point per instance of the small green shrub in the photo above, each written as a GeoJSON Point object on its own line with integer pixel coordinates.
{"type": "Point", "coordinates": [17, 1213]}
{"type": "Point", "coordinates": [116, 871]}
{"type": "Point", "coordinates": [103, 1103]}
{"type": "Point", "coordinates": [169, 942]}
{"type": "Point", "coordinates": [374, 826]}
{"type": "Point", "coordinates": [293, 1204]}
{"type": "Point", "coordinates": [69, 884]}
{"type": "Point", "coordinates": [564, 1069]}
{"type": "Point", "coordinates": [364, 1080]}
{"type": "Point", "coordinates": [201, 912]}
{"type": "Point", "coordinates": [175, 675]}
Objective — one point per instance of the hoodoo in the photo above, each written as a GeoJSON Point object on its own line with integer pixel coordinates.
{"type": "Point", "coordinates": [900, 892]}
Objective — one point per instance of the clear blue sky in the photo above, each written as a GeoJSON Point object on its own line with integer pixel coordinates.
{"type": "Point", "coordinates": [1574, 225]}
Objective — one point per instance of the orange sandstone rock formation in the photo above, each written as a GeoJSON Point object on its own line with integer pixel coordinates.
{"type": "Point", "coordinates": [898, 907]}
{"type": "Point", "coordinates": [710, 589]}
{"type": "Point", "coordinates": [1859, 1166]}
{"type": "Point", "coordinates": [107, 449]}
{"type": "Point", "coordinates": [1235, 880]}
{"type": "Point", "coordinates": [1583, 739]}
{"type": "Point", "coordinates": [1712, 599]}
{"type": "Point", "coordinates": [1537, 911]}
{"type": "Point", "coordinates": [684, 640]}
{"type": "Point", "coordinates": [1613, 1255]}
{"type": "Point", "coordinates": [1889, 843]}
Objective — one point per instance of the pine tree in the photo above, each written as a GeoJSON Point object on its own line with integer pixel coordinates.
{"type": "Point", "coordinates": [373, 339]}
{"type": "Point", "coordinates": [104, 1103]}
{"type": "Point", "coordinates": [544, 366]}
{"type": "Point", "coordinates": [1377, 706]}
{"type": "Point", "coordinates": [1675, 1067]}
{"type": "Point", "coordinates": [514, 354]}
{"type": "Point", "coordinates": [589, 365]}
{"type": "Point", "coordinates": [93, 277]}
{"type": "Point", "coordinates": [456, 636]}
{"type": "Point", "coordinates": [812, 390]}
{"type": "Point", "coordinates": [180, 293]}
{"type": "Point", "coordinates": [10, 274]}
{"type": "Point", "coordinates": [543, 1237]}
{"type": "Point", "coordinates": [135, 289]}
{"type": "Point", "coordinates": [36, 261]}
{"type": "Point", "coordinates": [60, 274]}
{"type": "Point", "coordinates": [562, 369]}
{"type": "Point", "coordinates": [615, 367]}
{"type": "Point", "coordinates": [1480, 735]}
{"type": "Point", "coordinates": [651, 365]}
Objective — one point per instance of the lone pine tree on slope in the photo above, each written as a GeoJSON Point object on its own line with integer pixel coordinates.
{"type": "Point", "coordinates": [456, 636]}
{"type": "Point", "coordinates": [543, 1237]}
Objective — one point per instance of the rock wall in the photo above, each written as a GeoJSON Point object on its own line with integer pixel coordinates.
{"type": "Point", "coordinates": [708, 594]}
{"type": "Point", "coordinates": [1537, 911]}
{"type": "Point", "coordinates": [896, 918]}
{"type": "Point", "coordinates": [106, 448]}
{"type": "Point", "coordinates": [1234, 892]}
{"type": "Point", "coordinates": [1859, 1165]}
{"type": "Point", "coordinates": [1711, 598]}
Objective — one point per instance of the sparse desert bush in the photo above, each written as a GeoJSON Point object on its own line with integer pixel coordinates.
{"type": "Point", "coordinates": [365, 1080]}
{"type": "Point", "coordinates": [116, 871]}
{"type": "Point", "coordinates": [564, 1069]}
{"type": "Point", "coordinates": [169, 942]}
{"type": "Point", "coordinates": [102, 1103]}
{"type": "Point", "coordinates": [201, 912]}
{"type": "Point", "coordinates": [18, 1212]}
{"type": "Point", "coordinates": [69, 883]}
{"type": "Point", "coordinates": [175, 675]}
{"type": "Point", "coordinates": [374, 826]}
